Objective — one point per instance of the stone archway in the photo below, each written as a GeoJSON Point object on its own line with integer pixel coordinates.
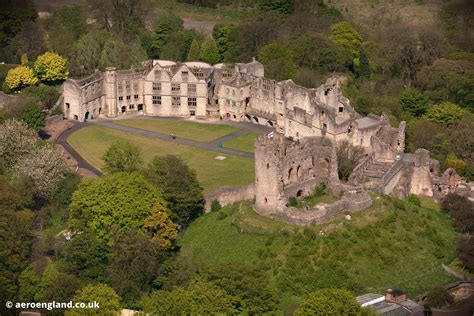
{"type": "Point", "coordinates": [299, 194]}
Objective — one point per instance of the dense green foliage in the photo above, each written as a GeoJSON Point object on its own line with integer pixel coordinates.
{"type": "Point", "coordinates": [329, 302]}
{"type": "Point", "coordinates": [33, 116]}
{"type": "Point", "coordinates": [179, 187]}
{"type": "Point", "coordinates": [122, 229]}
{"type": "Point", "coordinates": [198, 299]}
{"type": "Point", "coordinates": [299, 261]}
{"type": "Point", "coordinates": [122, 156]}
{"type": "Point", "coordinates": [120, 199]}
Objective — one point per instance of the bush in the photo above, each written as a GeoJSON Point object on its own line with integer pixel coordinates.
{"type": "Point", "coordinates": [215, 206]}
{"type": "Point", "coordinates": [320, 190]}
{"type": "Point", "coordinates": [438, 297]}
{"type": "Point", "coordinates": [45, 95]}
{"type": "Point", "coordinates": [292, 201]}
{"type": "Point", "coordinates": [413, 199]}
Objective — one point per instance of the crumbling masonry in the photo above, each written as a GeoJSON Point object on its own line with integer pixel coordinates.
{"type": "Point", "coordinates": [300, 154]}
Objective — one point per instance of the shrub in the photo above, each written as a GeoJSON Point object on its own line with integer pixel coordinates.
{"type": "Point", "coordinates": [320, 190]}
{"type": "Point", "coordinates": [215, 206]}
{"type": "Point", "coordinates": [292, 201]}
{"type": "Point", "coordinates": [413, 199]}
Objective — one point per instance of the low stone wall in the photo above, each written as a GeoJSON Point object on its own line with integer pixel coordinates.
{"type": "Point", "coordinates": [227, 196]}
{"type": "Point", "coordinates": [320, 213]}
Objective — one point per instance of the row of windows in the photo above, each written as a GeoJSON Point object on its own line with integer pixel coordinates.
{"type": "Point", "coordinates": [198, 73]}
{"type": "Point", "coordinates": [135, 97]}
{"type": "Point", "coordinates": [175, 101]}
{"type": "Point", "coordinates": [175, 87]}
{"type": "Point", "coordinates": [127, 85]}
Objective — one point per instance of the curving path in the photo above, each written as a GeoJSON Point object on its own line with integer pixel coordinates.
{"type": "Point", "coordinates": [81, 162]}
{"type": "Point", "coordinates": [244, 127]}
{"type": "Point", "coordinates": [213, 145]}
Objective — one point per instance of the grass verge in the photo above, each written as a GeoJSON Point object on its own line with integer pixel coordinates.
{"type": "Point", "coordinates": [185, 129]}
{"type": "Point", "coordinates": [91, 142]}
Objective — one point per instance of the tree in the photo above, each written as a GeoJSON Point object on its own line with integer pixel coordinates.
{"type": "Point", "coordinates": [284, 7]}
{"type": "Point", "coordinates": [449, 80]}
{"type": "Point", "coordinates": [461, 210]}
{"type": "Point", "coordinates": [51, 67]}
{"type": "Point", "coordinates": [344, 34]}
{"type": "Point", "coordinates": [329, 302]}
{"type": "Point", "coordinates": [210, 52]}
{"type": "Point", "coordinates": [20, 77]}
{"type": "Point", "coordinates": [413, 102]}
{"type": "Point", "coordinates": [45, 95]}
{"type": "Point", "coordinates": [168, 23]}
{"type": "Point", "coordinates": [33, 116]}
{"type": "Point", "coordinates": [194, 51]}
{"type": "Point", "coordinates": [198, 299]}
{"type": "Point", "coordinates": [348, 156]}
{"type": "Point", "coordinates": [466, 252]}
{"type": "Point", "coordinates": [160, 227]}
{"type": "Point", "coordinates": [122, 156]}
{"type": "Point", "coordinates": [220, 33]}
{"type": "Point", "coordinates": [87, 257]}
{"type": "Point", "coordinates": [446, 113]}
{"type": "Point", "coordinates": [15, 249]}
{"type": "Point", "coordinates": [109, 301]}
{"type": "Point", "coordinates": [10, 197]}
{"type": "Point", "coordinates": [179, 187]}
{"type": "Point", "coordinates": [45, 166]}
{"type": "Point", "coordinates": [245, 40]}
{"type": "Point", "coordinates": [133, 265]}
{"type": "Point", "coordinates": [364, 66]}
{"type": "Point", "coordinates": [249, 283]}
{"type": "Point", "coordinates": [278, 61]}
{"type": "Point", "coordinates": [317, 52]}
{"type": "Point", "coordinates": [16, 142]}
{"type": "Point", "coordinates": [120, 199]}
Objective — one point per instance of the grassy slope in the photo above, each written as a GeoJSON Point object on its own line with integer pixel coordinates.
{"type": "Point", "coordinates": [190, 130]}
{"type": "Point", "coordinates": [381, 247]}
{"type": "Point", "coordinates": [92, 141]}
{"type": "Point", "coordinates": [244, 142]}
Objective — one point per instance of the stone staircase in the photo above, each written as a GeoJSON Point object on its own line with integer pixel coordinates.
{"type": "Point", "coordinates": [376, 170]}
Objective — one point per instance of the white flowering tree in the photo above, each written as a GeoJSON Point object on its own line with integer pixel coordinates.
{"type": "Point", "coordinates": [16, 141]}
{"type": "Point", "coordinates": [45, 166]}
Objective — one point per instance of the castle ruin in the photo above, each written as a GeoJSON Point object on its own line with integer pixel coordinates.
{"type": "Point", "coordinates": [308, 125]}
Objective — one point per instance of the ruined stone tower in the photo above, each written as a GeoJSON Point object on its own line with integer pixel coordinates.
{"type": "Point", "coordinates": [285, 168]}
{"type": "Point", "coordinates": [110, 87]}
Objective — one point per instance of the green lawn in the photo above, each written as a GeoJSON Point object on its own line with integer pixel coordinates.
{"type": "Point", "coordinates": [202, 132]}
{"type": "Point", "coordinates": [244, 142]}
{"type": "Point", "coordinates": [92, 141]}
{"type": "Point", "coordinates": [391, 244]}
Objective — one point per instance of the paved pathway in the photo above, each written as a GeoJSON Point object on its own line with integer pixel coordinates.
{"type": "Point", "coordinates": [244, 127]}
{"type": "Point", "coordinates": [179, 140]}
{"type": "Point", "coordinates": [81, 162]}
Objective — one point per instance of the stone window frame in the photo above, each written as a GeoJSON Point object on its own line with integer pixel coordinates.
{"type": "Point", "coordinates": [176, 101]}
{"type": "Point", "coordinates": [135, 97]}
{"type": "Point", "coordinates": [156, 86]}
{"type": "Point", "coordinates": [192, 88]}
{"type": "Point", "coordinates": [266, 84]}
{"type": "Point", "coordinates": [192, 101]}
{"type": "Point", "coordinates": [184, 75]}
{"type": "Point", "coordinates": [129, 97]}
{"type": "Point", "coordinates": [156, 100]}
{"type": "Point", "coordinates": [120, 98]}
{"type": "Point", "coordinates": [175, 87]}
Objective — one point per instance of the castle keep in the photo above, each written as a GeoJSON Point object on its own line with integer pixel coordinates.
{"type": "Point", "coordinates": [299, 155]}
